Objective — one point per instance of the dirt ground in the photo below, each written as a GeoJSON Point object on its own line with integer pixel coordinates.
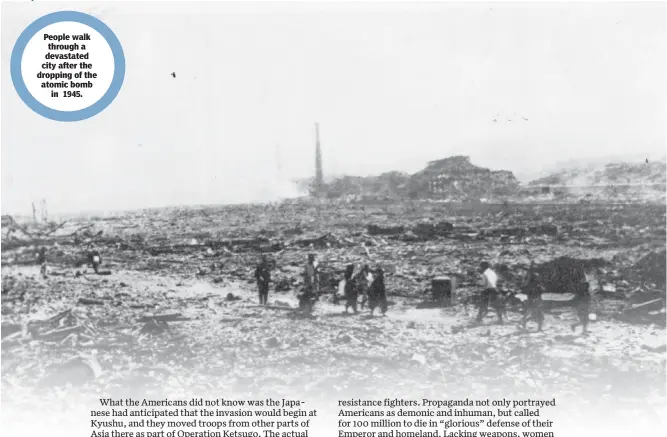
{"type": "Point", "coordinates": [166, 262]}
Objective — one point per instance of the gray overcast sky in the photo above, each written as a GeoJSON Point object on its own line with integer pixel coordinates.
{"type": "Point", "coordinates": [392, 85]}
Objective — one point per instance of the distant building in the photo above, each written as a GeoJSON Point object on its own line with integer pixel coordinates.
{"type": "Point", "coordinates": [458, 177]}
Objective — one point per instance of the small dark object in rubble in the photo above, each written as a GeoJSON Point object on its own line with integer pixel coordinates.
{"type": "Point", "coordinates": [429, 230]}
{"type": "Point", "coordinates": [230, 297]}
{"type": "Point", "coordinates": [385, 230]}
{"type": "Point", "coordinates": [544, 229]}
{"type": "Point", "coordinates": [86, 301]}
{"type": "Point", "coordinates": [165, 318]}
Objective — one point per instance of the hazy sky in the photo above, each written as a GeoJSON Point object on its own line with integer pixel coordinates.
{"type": "Point", "coordinates": [392, 86]}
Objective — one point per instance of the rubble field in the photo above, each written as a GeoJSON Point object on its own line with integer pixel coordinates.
{"type": "Point", "coordinates": [174, 310]}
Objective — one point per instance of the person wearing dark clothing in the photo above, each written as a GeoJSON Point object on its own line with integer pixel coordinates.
{"type": "Point", "coordinates": [311, 284]}
{"type": "Point", "coordinates": [95, 260]}
{"type": "Point", "coordinates": [351, 289]}
{"type": "Point", "coordinates": [41, 260]}
{"type": "Point", "coordinates": [263, 277]}
{"type": "Point", "coordinates": [312, 275]}
{"type": "Point", "coordinates": [533, 306]}
{"type": "Point", "coordinates": [582, 302]}
{"type": "Point", "coordinates": [377, 295]}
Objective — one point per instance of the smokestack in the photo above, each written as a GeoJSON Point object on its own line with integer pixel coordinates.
{"type": "Point", "coordinates": [319, 178]}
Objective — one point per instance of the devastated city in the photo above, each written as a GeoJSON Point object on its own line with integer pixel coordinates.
{"type": "Point", "coordinates": [177, 285]}
{"type": "Point", "coordinates": [413, 217]}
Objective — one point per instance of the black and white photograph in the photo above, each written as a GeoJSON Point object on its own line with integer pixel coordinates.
{"type": "Point", "coordinates": [345, 219]}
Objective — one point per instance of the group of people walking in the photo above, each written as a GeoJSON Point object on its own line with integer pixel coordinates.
{"type": "Point", "coordinates": [365, 284]}
{"type": "Point", "coordinates": [533, 305]}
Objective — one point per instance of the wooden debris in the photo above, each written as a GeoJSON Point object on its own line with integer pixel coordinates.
{"type": "Point", "coordinates": [177, 317]}
{"type": "Point", "coordinates": [58, 334]}
{"type": "Point", "coordinates": [646, 306]}
{"type": "Point", "coordinates": [87, 301]}
{"type": "Point", "coordinates": [273, 307]}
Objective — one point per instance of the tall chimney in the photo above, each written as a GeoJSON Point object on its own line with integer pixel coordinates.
{"type": "Point", "coordinates": [319, 178]}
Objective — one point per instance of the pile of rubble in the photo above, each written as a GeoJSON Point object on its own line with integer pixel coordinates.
{"type": "Point", "coordinates": [224, 244]}
{"type": "Point", "coordinates": [651, 268]}
{"type": "Point", "coordinates": [639, 173]}
{"type": "Point", "coordinates": [457, 178]}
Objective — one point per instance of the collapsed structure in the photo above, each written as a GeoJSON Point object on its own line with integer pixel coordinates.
{"type": "Point", "coordinates": [458, 177]}
{"type": "Point", "coordinates": [454, 178]}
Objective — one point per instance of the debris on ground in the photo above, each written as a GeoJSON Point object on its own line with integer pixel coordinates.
{"type": "Point", "coordinates": [182, 294]}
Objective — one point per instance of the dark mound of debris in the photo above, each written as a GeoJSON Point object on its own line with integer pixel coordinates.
{"type": "Point", "coordinates": [458, 177]}
{"type": "Point", "coordinates": [560, 274]}
{"type": "Point", "coordinates": [651, 268]}
{"type": "Point", "coordinates": [385, 230]}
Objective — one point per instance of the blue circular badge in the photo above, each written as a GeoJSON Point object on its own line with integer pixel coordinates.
{"type": "Point", "coordinates": [78, 17]}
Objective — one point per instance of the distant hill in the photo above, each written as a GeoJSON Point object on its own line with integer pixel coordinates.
{"type": "Point", "coordinates": [616, 173]}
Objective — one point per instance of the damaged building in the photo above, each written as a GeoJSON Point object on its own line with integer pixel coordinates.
{"type": "Point", "coordinates": [458, 177]}
{"type": "Point", "coordinates": [454, 178]}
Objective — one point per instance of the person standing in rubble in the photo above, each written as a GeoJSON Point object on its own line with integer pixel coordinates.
{"type": "Point", "coordinates": [364, 280]}
{"type": "Point", "coordinates": [311, 280]}
{"type": "Point", "coordinates": [533, 306]}
{"type": "Point", "coordinates": [351, 289]}
{"type": "Point", "coordinates": [582, 304]}
{"type": "Point", "coordinates": [41, 260]}
{"type": "Point", "coordinates": [489, 282]}
{"type": "Point", "coordinates": [312, 274]}
{"type": "Point", "coordinates": [95, 259]}
{"type": "Point", "coordinates": [377, 294]}
{"type": "Point", "coordinates": [263, 277]}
